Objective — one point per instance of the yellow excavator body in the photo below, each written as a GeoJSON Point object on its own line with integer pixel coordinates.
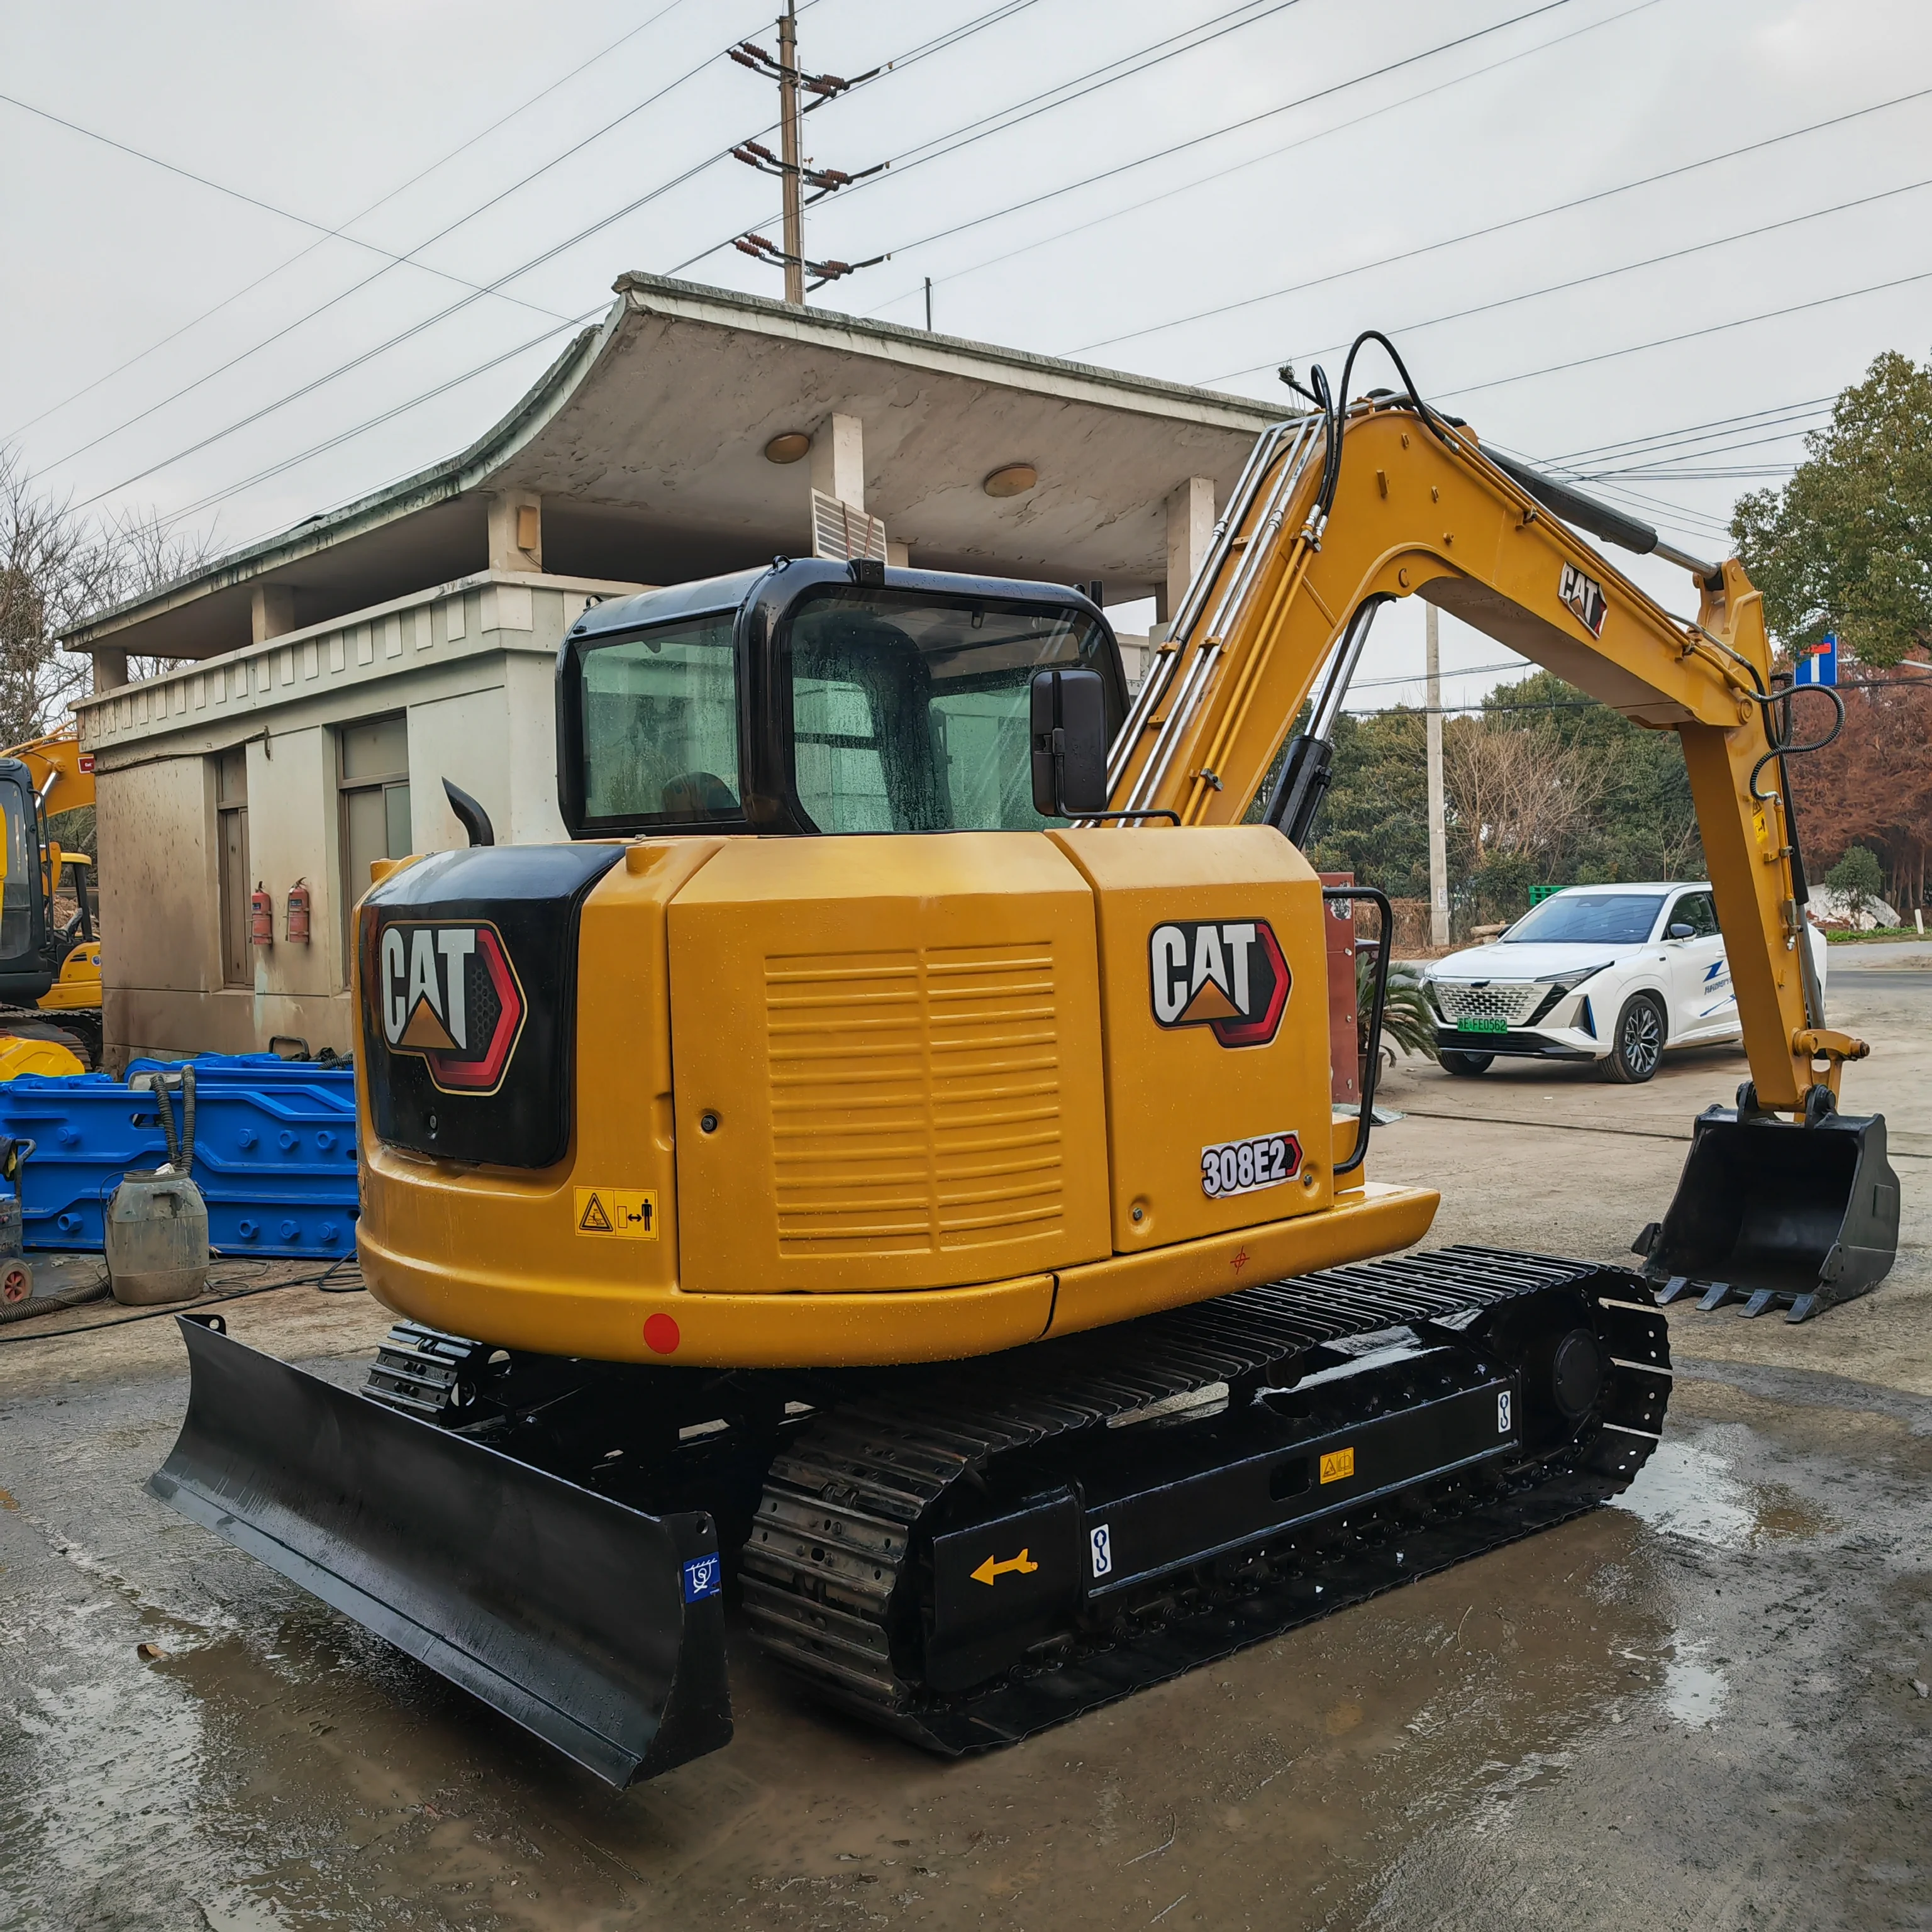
{"type": "Point", "coordinates": [907, 1099]}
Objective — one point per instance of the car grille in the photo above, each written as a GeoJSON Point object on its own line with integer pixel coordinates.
{"type": "Point", "coordinates": [1512, 1005]}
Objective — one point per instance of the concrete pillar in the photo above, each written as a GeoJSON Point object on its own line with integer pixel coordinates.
{"type": "Point", "coordinates": [272, 610]}
{"type": "Point", "coordinates": [1190, 530]}
{"type": "Point", "coordinates": [898, 555]}
{"type": "Point", "coordinates": [1439, 842]}
{"type": "Point", "coordinates": [110, 669]}
{"type": "Point", "coordinates": [516, 530]}
{"type": "Point", "coordinates": [839, 460]}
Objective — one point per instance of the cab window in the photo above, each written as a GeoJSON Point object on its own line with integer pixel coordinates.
{"type": "Point", "coordinates": [660, 714]}
{"type": "Point", "coordinates": [17, 893]}
{"type": "Point", "coordinates": [911, 713]}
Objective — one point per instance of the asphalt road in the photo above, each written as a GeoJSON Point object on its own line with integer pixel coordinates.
{"type": "Point", "coordinates": [1704, 1708]}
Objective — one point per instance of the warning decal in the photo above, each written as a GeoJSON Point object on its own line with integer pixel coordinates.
{"type": "Point", "coordinates": [630, 1213]}
{"type": "Point", "coordinates": [1338, 1466]}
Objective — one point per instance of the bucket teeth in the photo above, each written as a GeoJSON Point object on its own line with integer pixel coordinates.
{"type": "Point", "coordinates": [1777, 1214]}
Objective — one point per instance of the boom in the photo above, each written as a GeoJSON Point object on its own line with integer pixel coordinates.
{"type": "Point", "coordinates": [1410, 505]}
{"type": "Point", "coordinates": [63, 774]}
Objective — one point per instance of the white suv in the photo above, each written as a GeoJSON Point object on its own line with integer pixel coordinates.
{"type": "Point", "coordinates": [1610, 973]}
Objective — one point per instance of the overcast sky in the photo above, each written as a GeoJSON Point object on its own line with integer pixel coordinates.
{"type": "Point", "coordinates": [1334, 157]}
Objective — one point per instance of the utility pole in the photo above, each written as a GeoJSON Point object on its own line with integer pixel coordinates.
{"type": "Point", "coordinates": [793, 169]}
{"type": "Point", "coordinates": [794, 209]}
{"type": "Point", "coordinates": [1438, 843]}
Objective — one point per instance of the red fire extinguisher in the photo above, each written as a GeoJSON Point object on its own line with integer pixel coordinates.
{"type": "Point", "coordinates": [261, 917]}
{"type": "Point", "coordinates": [297, 920]}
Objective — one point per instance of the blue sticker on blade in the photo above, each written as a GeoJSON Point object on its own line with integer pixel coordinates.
{"type": "Point", "coordinates": [704, 1575]}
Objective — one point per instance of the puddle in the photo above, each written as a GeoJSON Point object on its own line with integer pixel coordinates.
{"type": "Point", "coordinates": [1685, 1490]}
{"type": "Point", "coordinates": [1688, 1488]}
{"type": "Point", "coordinates": [1694, 1693]}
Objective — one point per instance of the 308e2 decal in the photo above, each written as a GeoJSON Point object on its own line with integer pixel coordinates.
{"type": "Point", "coordinates": [1227, 975]}
{"type": "Point", "coordinates": [1245, 1167]}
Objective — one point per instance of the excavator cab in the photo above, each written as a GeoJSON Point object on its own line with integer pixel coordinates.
{"type": "Point", "coordinates": [817, 697]}
{"type": "Point", "coordinates": [24, 976]}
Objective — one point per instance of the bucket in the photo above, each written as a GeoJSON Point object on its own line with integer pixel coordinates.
{"type": "Point", "coordinates": [1799, 1215]}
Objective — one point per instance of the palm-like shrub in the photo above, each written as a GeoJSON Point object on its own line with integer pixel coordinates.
{"type": "Point", "coordinates": [1408, 1020]}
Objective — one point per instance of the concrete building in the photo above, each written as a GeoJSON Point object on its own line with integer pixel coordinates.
{"type": "Point", "coordinates": [328, 679]}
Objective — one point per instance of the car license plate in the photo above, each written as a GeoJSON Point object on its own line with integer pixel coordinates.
{"type": "Point", "coordinates": [1245, 1167]}
{"type": "Point", "coordinates": [1482, 1026]}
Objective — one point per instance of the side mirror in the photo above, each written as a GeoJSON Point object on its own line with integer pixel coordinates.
{"type": "Point", "coordinates": [1070, 744]}
{"type": "Point", "coordinates": [1682, 929]}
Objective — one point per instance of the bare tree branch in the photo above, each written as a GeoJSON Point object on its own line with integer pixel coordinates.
{"type": "Point", "coordinates": [55, 568]}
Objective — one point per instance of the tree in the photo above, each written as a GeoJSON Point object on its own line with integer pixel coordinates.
{"type": "Point", "coordinates": [55, 568]}
{"type": "Point", "coordinates": [1858, 876]}
{"type": "Point", "coordinates": [1846, 544]}
{"type": "Point", "coordinates": [1873, 784]}
{"type": "Point", "coordinates": [1374, 822]}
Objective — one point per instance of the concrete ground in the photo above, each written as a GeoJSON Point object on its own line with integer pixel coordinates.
{"type": "Point", "coordinates": [1705, 1707]}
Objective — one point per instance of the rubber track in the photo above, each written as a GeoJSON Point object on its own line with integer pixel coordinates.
{"type": "Point", "coordinates": [843, 1503]}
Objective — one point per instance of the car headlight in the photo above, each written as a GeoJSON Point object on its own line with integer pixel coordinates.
{"type": "Point", "coordinates": [1563, 986]}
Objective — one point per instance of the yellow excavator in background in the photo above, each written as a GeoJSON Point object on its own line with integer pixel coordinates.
{"type": "Point", "coordinates": [887, 1165]}
{"type": "Point", "coordinates": [49, 974]}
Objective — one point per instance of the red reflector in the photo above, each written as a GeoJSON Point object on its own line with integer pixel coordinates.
{"type": "Point", "coordinates": [661, 1335]}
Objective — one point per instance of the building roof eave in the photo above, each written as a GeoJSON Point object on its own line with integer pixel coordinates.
{"type": "Point", "coordinates": [451, 477]}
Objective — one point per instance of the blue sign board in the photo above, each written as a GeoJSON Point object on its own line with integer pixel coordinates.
{"type": "Point", "coordinates": [1819, 665]}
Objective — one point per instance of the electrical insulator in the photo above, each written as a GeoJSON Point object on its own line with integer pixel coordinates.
{"type": "Point", "coordinates": [298, 920]}
{"type": "Point", "coordinates": [261, 918]}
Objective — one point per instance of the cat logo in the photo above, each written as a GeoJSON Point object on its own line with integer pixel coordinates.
{"type": "Point", "coordinates": [450, 995]}
{"type": "Point", "coordinates": [1227, 976]}
{"type": "Point", "coordinates": [1583, 597]}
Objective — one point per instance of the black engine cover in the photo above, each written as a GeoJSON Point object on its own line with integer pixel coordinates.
{"type": "Point", "coordinates": [468, 963]}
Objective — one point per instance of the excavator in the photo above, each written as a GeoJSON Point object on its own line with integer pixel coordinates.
{"type": "Point", "coordinates": [884, 1172]}
{"type": "Point", "coordinates": [49, 974]}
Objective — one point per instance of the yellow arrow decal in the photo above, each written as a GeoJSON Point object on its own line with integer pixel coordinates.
{"type": "Point", "coordinates": [1018, 1565]}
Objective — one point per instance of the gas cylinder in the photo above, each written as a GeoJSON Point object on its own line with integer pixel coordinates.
{"type": "Point", "coordinates": [297, 927]}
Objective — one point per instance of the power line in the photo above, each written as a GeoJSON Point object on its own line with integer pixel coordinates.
{"type": "Point", "coordinates": [1692, 334]}
{"type": "Point", "coordinates": [321, 229]}
{"type": "Point", "coordinates": [1221, 174]}
{"type": "Point", "coordinates": [382, 201]}
{"type": "Point", "coordinates": [389, 415]}
{"type": "Point", "coordinates": [1696, 432]}
{"type": "Point", "coordinates": [1004, 119]}
{"type": "Point", "coordinates": [454, 308]}
{"type": "Point", "coordinates": [1630, 268]}
{"type": "Point", "coordinates": [903, 61]}
{"type": "Point", "coordinates": [535, 262]}
{"type": "Point", "coordinates": [1498, 227]}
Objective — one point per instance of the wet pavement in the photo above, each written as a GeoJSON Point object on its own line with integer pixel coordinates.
{"type": "Point", "coordinates": [1705, 1707]}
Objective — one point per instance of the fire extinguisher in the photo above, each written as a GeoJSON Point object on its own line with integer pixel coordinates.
{"type": "Point", "coordinates": [261, 917]}
{"type": "Point", "coordinates": [297, 920]}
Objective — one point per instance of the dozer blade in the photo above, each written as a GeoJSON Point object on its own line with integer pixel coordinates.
{"type": "Point", "coordinates": [1777, 1214]}
{"type": "Point", "coordinates": [598, 1627]}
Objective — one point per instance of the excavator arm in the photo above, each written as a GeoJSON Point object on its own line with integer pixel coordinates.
{"type": "Point", "coordinates": [1411, 505]}
{"type": "Point", "coordinates": [63, 774]}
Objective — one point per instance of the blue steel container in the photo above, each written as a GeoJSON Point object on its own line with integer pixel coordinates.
{"type": "Point", "coordinates": [274, 1153]}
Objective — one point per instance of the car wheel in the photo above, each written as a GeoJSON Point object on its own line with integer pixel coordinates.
{"type": "Point", "coordinates": [1636, 1045]}
{"type": "Point", "coordinates": [1468, 1065]}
